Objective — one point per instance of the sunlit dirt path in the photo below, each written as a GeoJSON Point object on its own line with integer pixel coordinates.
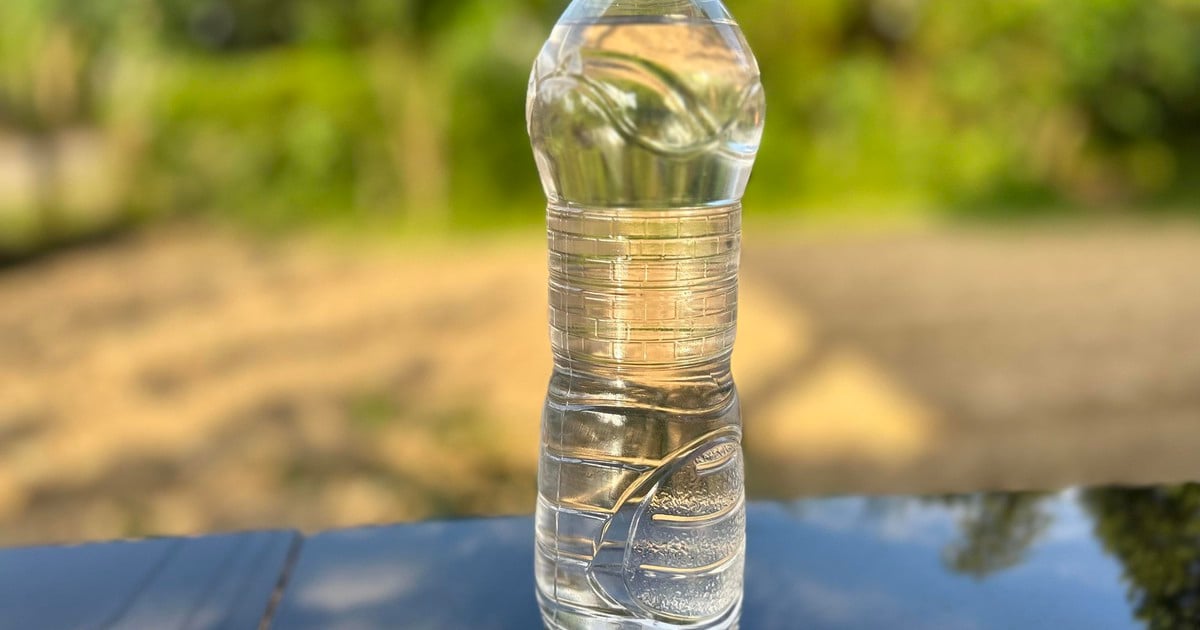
{"type": "Point", "coordinates": [189, 379]}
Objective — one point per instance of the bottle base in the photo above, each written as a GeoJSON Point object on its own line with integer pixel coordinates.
{"type": "Point", "coordinates": [557, 616]}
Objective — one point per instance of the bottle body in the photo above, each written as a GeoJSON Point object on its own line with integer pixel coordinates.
{"type": "Point", "coordinates": [645, 124]}
{"type": "Point", "coordinates": [641, 510]}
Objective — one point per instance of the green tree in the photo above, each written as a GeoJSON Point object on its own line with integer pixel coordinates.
{"type": "Point", "coordinates": [996, 531]}
{"type": "Point", "coordinates": [1155, 533]}
{"type": "Point", "coordinates": [65, 67]}
{"type": "Point", "coordinates": [42, 63]}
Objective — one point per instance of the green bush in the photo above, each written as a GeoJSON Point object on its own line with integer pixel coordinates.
{"type": "Point", "coordinates": [278, 111]}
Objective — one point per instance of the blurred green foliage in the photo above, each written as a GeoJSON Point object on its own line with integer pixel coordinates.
{"type": "Point", "coordinates": [411, 111]}
{"type": "Point", "coordinates": [996, 531]}
{"type": "Point", "coordinates": [1153, 533]}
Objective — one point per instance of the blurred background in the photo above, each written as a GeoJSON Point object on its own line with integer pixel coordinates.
{"type": "Point", "coordinates": [280, 263]}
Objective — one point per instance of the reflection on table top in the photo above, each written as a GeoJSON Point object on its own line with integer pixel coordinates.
{"type": "Point", "coordinates": [1094, 558]}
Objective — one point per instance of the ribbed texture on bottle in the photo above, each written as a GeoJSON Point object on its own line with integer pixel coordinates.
{"type": "Point", "coordinates": [651, 287]}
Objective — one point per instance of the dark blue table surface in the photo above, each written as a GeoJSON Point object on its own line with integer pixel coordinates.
{"type": "Point", "coordinates": [208, 583]}
{"type": "Point", "coordinates": [1094, 559]}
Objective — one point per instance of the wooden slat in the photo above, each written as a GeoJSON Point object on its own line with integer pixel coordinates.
{"type": "Point", "coordinates": [214, 583]}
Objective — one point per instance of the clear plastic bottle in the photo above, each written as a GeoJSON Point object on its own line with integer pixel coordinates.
{"type": "Point", "coordinates": [645, 117]}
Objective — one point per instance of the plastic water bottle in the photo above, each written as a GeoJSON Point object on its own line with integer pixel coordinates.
{"type": "Point", "coordinates": [645, 117]}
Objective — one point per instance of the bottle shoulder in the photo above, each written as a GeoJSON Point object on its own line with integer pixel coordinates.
{"type": "Point", "coordinates": [645, 112]}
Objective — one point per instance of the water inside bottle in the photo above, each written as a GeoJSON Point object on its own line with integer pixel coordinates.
{"type": "Point", "coordinates": [645, 130]}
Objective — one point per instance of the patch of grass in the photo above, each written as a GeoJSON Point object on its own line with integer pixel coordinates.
{"type": "Point", "coordinates": [371, 411]}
